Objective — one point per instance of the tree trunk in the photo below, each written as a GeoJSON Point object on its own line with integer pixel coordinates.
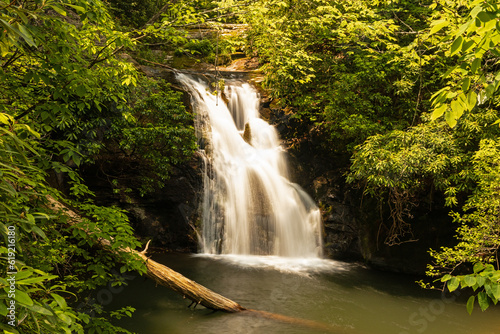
{"type": "Point", "coordinates": [189, 289]}
{"type": "Point", "coordinates": [163, 275]}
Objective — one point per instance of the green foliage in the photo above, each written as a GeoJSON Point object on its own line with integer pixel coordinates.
{"type": "Point", "coordinates": [470, 37]}
{"type": "Point", "coordinates": [39, 242]}
{"type": "Point", "coordinates": [21, 184]}
{"type": "Point", "coordinates": [484, 281]}
{"type": "Point", "coordinates": [201, 47]}
{"type": "Point", "coordinates": [149, 136]}
{"type": "Point", "coordinates": [63, 87]}
{"type": "Point", "coordinates": [478, 233]}
{"type": "Point", "coordinates": [67, 97]}
{"type": "Point", "coordinates": [134, 13]}
{"type": "Point", "coordinates": [100, 324]}
{"type": "Point", "coordinates": [400, 167]}
{"type": "Point", "coordinates": [348, 70]}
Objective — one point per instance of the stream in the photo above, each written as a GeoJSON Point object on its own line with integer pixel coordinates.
{"type": "Point", "coordinates": [346, 296]}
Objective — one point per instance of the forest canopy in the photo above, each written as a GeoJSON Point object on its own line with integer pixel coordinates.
{"type": "Point", "coordinates": [410, 91]}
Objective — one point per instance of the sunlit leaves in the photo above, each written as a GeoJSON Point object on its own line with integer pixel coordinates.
{"type": "Point", "coordinates": [470, 304]}
{"type": "Point", "coordinates": [478, 234]}
{"type": "Point", "coordinates": [439, 111]}
{"type": "Point", "coordinates": [59, 80]}
{"type": "Point", "coordinates": [400, 159]}
{"type": "Point", "coordinates": [452, 284]}
{"type": "Point", "coordinates": [484, 280]}
{"type": "Point", "coordinates": [438, 25]}
{"type": "Point", "coordinates": [455, 47]}
{"type": "Point", "coordinates": [475, 40]}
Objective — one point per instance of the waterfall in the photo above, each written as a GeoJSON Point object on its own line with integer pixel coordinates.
{"type": "Point", "coordinates": [249, 205]}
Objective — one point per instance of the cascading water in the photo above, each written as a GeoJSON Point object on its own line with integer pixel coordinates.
{"type": "Point", "coordinates": [249, 205]}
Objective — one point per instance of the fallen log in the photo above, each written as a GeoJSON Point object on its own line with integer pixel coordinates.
{"type": "Point", "coordinates": [163, 275]}
{"type": "Point", "coordinates": [191, 290]}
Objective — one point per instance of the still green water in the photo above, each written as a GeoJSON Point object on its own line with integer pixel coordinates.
{"type": "Point", "coordinates": [348, 297]}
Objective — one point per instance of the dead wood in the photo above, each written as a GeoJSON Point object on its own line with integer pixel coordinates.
{"type": "Point", "coordinates": [187, 288]}
{"type": "Point", "coordinates": [191, 290]}
{"type": "Point", "coordinates": [163, 275]}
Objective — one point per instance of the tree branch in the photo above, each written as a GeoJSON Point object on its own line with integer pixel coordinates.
{"type": "Point", "coordinates": [97, 60]}
{"type": "Point", "coordinates": [189, 289]}
{"type": "Point", "coordinates": [157, 15]}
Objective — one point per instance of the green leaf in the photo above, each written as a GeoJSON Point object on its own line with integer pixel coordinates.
{"type": "Point", "coordinates": [465, 84]}
{"type": "Point", "coordinates": [5, 119]}
{"type": "Point", "coordinates": [471, 103]}
{"type": "Point", "coordinates": [64, 318]}
{"type": "Point", "coordinates": [455, 47]}
{"type": "Point", "coordinates": [469, 280]}
{"type": "Point", "coordinates": [495, 291]}
{"type": "Point", "coordinates": [23, 298]}
{"type": "Point", "coordinates": [480, 280]}
{"type": "Point", "coordinates": [476, 63]}
{"type": "Point", "coordinates": [23, 274]}
{"type": "Point", "coordinates": [60, 300]}
{"type": "Point", "coordinates": [438, 25]}
{"type": "Point", "coordinates": [78, 8]}
{"type": "Point", "coordinates": [26, 34]}
{"type": "Point", "coordinates": [490, 90]}
{"type": "Point", "coordinates": [8, 329]}
{"type": "Point", "coordinates": [40, 309]}
{"type": "Point", "coordinates": [3, 308]}
{"type": "Point", "coordinates": [467, 45]}
{"type": "Point", "coordinates": [482, 299]}
{"type": "Point", "coordinates": [81, 90]}
{"type": "Point", "coordinates": [38, 231]}
{"type": "Point", "coordinates": [58, 9]}
{"type": "Point", "coordinates": [446, 278]}
{"type": "Point", "coordinates": [438, 112]}
{"type": "Point", "coordinates": [454, 114]}
{"type": "Point", "coordinates": [478, 267]}
{"type": "Point", "coordinates": [453, 284]}
{"type": "Point", "coordinates": [485, 16]}
{"type": "Point", "coordinates": [470, 304]}
{"type": "Point", "coordinates": [77, 159]}
{"type": "Point", "coordinates": [34, 280]}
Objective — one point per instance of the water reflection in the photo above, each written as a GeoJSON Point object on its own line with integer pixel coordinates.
{"type": "Point", "coordinates": [341, 295]}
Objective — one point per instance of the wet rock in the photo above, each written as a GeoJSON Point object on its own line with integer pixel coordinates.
{"type": "Point", "coordinates": [247, 134]}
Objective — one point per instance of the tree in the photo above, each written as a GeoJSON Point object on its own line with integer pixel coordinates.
{"type": "Point", "coordinates": [345, 70]}
{"type": "Point", "coordinates": [462, 162]}
{"type": "Point", "coordinates": [64, 87]}
{"type": "Point", "coordinates": [470, 38]}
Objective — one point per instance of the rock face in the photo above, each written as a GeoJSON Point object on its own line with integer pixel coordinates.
{"type": "Point", "coordinates": [168, 216]}
{"type": "Point", "coordinates": [325, 182]}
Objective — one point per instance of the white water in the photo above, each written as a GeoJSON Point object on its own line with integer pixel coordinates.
{"type": "Point", "coordinates": [249, 206]}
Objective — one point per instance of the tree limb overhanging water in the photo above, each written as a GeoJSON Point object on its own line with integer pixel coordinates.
{"type": "Point", "coordinates": [189, 289]}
